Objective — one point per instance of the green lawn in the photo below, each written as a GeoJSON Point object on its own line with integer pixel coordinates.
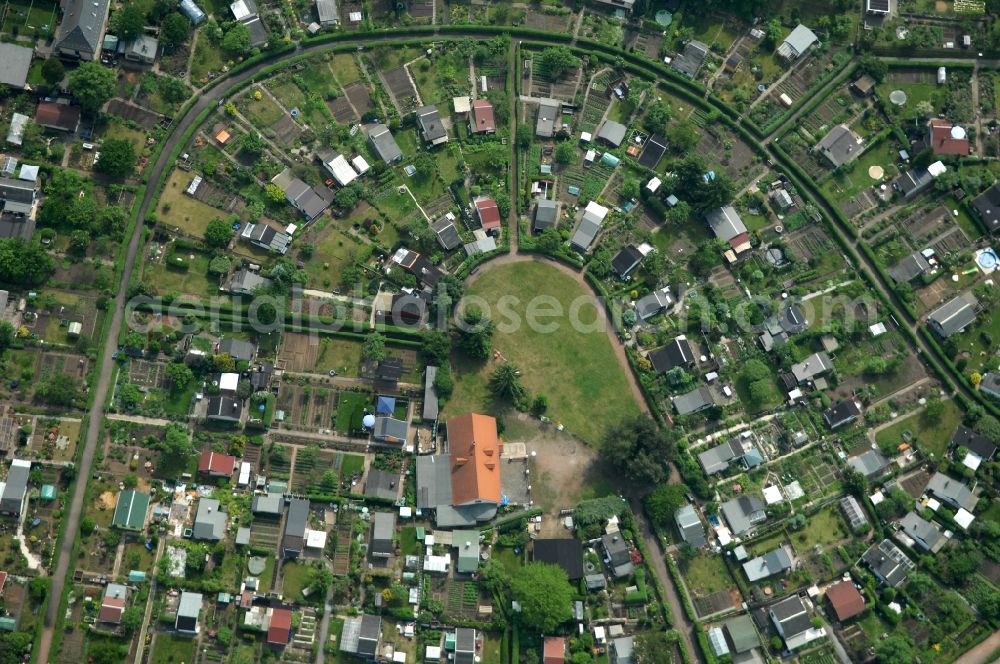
{"type": "Point", "coordinates": [178, 209]}
{"type": "Point", "coordinates": [207, 58]}
{"type": "Point", "coordinates": [117, 129]}
{"type": "Point", "coordinates": [408, 544]}
{"type": "Point", "coordinates": [706, 574]}
{"type": "Point", "coordinates": [262, 112]}
{"type": "Point", "coordinates": [350, 410]}
{"type": "Point", "coordinates": [294, 578]}
{"type": "Point", "coordinates": [853, 178]}
{"type": "Point", "coordinates": [575, 368]}
{"type": "Point", "coordinates": [823, 528]}
{"type": "Point", "coordinates": [931, 437]}
{"type": "Point", "coordinates": [341, 355]}
{"type": "Point", "coordinates": [192, 281]}
{"type": "Point", "coordinates": [351, 464]}
{"type": "Point", "coordinates": [172, 649]}
{"type": "Point", "coordinates": [345, 68]}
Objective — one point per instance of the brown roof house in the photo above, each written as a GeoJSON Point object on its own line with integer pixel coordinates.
{"type": "Point", "coordinates": [61, 117]}
{"type": "Point", "coordinates": [481, 119]}
{"type": "Point", "coordinates": [845, 600]}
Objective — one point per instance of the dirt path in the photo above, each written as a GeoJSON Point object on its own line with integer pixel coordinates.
{"type": "Point", "coordinates": [616, 345]}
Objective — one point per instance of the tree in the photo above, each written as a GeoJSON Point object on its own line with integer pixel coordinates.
{"type": "Point", "coordinates": [38, 587]}
{"type": "Point", "coordinates": [657, 117]}
{"type": "Point", "coordinates": [664, 500]}
{"type": "Point", "coordinates": [131, 397]}
{"type": "Point", "coordinates": [443, 383]}
{"type": "Point", "coordinates": [855, 483]}
{"type": "Point", "coordinates": [131, 619]}
{"type": "Point", "coordinates": [557, 60]}
{"type": "Point", "coordinates": [6, 335]}
{"type": "Point", "coordinates": [53, 71]}
{"type": "Point", "coordinates": [106, 651]}
{"type": "Point", "coordinates": [436, 348]}
{"type": "Point", "coordinates": [565, 153]}
{"type": "Point", "coordinates": [173, 89]}
{"type": "Point", "coordinates": [540, 405]}
{"type": "Point", "coordinates": [873, 66]}
{"type": "Point", "coordinates": [59, 390]}
{"type": "Point", "coordinates": [117, 158]}
{"type": "Point", "coordinates": [218, 233]}
{"type": "Point", "coordinates": [704, 191]}
{"type": "Point", "coordinates": [895, 649]}
{"type": "Point", "coordinates": [252, 143]}
{"type": "Point", "coordinates": [629, 188]}
{"type": "Point", "coordinates": [176, 443]}
{"type": "Point", "coordinates": [505, 383]}
{"type": "Point", "coordinates": [24, 264]}
{"type": "Point", "coordinates": [347, 197]}
{"type": "Point", "coordinates": [475, 334]}
{"type": "Point", "coordinates": [220, 265]}
{"type": "Point", "coordinates": [92, 84]}
{"type": "Point", "coordinates": [127, 23]}
{"type": "Point", "coordinates": [925, 108]}
{"type": "Point", "coordinates": [274, 193]}
{"type": "Point", "coordinates": [320, 580]}
{"type": "Point", "coordinates": [426, 165]}
{"type": "Point", "coordinates": [524, 135]}
{"type": "Point", "coordinates": [174, 32]}
{"type": "Point", "coordinates": [237, 40]}
{"type": "Point", "coordinates": [373, 347]}
{"type": "Point", "coordinates": [639, 450]}
{"type": "Point", "coordinates": [989, 426]}
{"type": "Point", "coordinates": [545, 596]}
{"type": "Point", "coordinates": [179, 375]}
{"type": "Point", "coordinates": [682, 137]}
{"type": "Point", "coordinates": [87, 526]}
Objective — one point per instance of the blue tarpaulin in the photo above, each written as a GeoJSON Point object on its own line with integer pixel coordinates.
{"type": "Point", "coordinates": [385, 406]}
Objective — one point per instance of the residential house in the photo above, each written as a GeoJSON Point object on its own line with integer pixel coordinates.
{"type": "Point", "coordinates": [546, 214]}
{"type": "Point", "coordinates": [877, 7]}
{"type": "Point", "coordinates": [141, 50]}
{"type": "Point", "coordinates": [694, 401]}
{"type": "Point", "coordinates": [279, 630]}
{"type": "Point", "coordinates": [383, 530]}
{"type": "Point", "coordinates": [913, 182]}
{"type": "Point", "coordinates": [811, 368]}
{"type": "Point", "coordinates": [360, 636]}
{"type": "Point", "coordinates": [426, 273]}
{"type": "Point", "coordinates": [431, 127]}
{"type": "Point", "coordinates": [954, 316]}
{"type": "Point", "coordinates": [871, 464]}
{"type": "Point", "coordinates": [840, 146]}
{"type": "Point", "coordinates": [718, 458]}
{"type": "Point", "coordinates": [327, 13]}
{"type": "Point", "coordinates": [337, 166]}
{"type": "Point", "coordinates": [14, 491]}
{"type": "Point", "coordinates": [946, 138]}
{"type": "Point", "coordinates": [239, 350]}
{"type": "Point", "coordinates": [772, 563]}
{"type": "Point", "coordinates": [390, 430]}
{"type": "Point", "coordinates": [488, 214]}
{"type": "Point", "coordinates": [778, 329]}
{"type": "Point", "coordinates": [987, 206]}
{"type": "Point", "coordinates": [677, 353]}
{"type": "Point", "coordinates": [864, 85]}
{"type": "Point", "coordinates": [58, 116]}
{"type": "Point", "coordinates": [853, 512]}
{"type": "Point", "coordinates": [446, 232]}
{"type": "Point", "coordinates": [623, 5]}
{"type": "Point", "coordinates": [564, 552]}
{"type": "Point", "coordinates": [465, 646]}
{"type": "Point", "coordinates": [888, 563]}
{"type": "Point", "coordinates": [112, 604]}
{"type": "Point", "coordinates": [245, 282]}
{"type": "Point", "coordinates": [690, 527]}
{"type": "Point", "coordinates": [743, 513]}
{"type": "Point", "coordinates": [215, 464]}
{"type": "Point", "coordinates": [617, 555]}
{"type": "Point", "coordinates": [621, 650]}
{"type": "Point", "coordinates": [590, 226]}
{"type": "Point", "coordinates": [653, 303]}
{"type": "Point", "coordinates": [845, 600]}
{"type": "Point", "coordinates": [310, 201]}
{"type": "Point", "coordinates": [384, 144]}
{"type": "Point", "coordinates": [81, 30]}
{"type": "Point", "coordinates": [547, 122]}
{"type": "Point", "coordinates": [466, 543]}
{"type": "Point", "coordinates": [727, 225]}
{"type": "Point", "coordinates": [188, 612]}
{"type": "Point", "coordinates": [296, 523]}
{"type": "Point", "coordinates": [268, 505]}
{"type": "Point", "coordinates": [209, 521]}
{"type": "Point", "coordinates": [266, 237]}
{"type": "Point", "coordinates": [791, 620]}
{"type": "Point", "coordinates": [800, 40]}
{"type": "Point", "coordinates": [908, 269]}
{"type": "Point", "coordinates": [407, 309]}
{"type": "Point", "coordinates": [462, 487]}
{"type": "Point", "coordinates": [224, 409]}
{"type": "Point", "coordinates": [842, 413]}
{"type": "Point", "coordinates": [130, 510]}
{"type": "Point", "coordinates": [15, 61]}
{"type": "Point", "coordinates": [951, 492]}
{"type": "Point", "coordinates": [923, 534]}
{"type": "Point", "coordinates": [626, 261]}
{"type": "Point", "coordinates": [690, 59]}
{"type": "Point", "coordinates": [975, 443]}
{"type": "Point", "coordinates": [245, 11]}
{"type": "Point", "coordinates": [382, 484]}
{"type": "Point", "coordinates": [653, 151]}
{"type": "Point", "coordinates": [481, 120]}
{"type": "Point", "coordinates": [742, 636]}
{"type": "Point", "coordinates": [612, 133]}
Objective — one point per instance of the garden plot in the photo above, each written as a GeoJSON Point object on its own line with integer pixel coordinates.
{"type": "Point", "coordinates": [543, 86]}
{"type": "Point", "coordinates": [306, 407]}
{"type": "Point", "coordinates": [147, 374]}
{"type": "Point", "coordinates": [649, 44]}
{"type": "Point", "coordinates": [342, 110]}
{"type": "Point", "coordinates": [311, 466]}
{"type": "Point", "coordinates": [798, 148]}
{"type": "Point", "coordinates": [860, 203]}
{"type": "Point", "coordinates": [805, 75]}
{"type": "Point", "coordinates": [809, 243]}
{"type": "Point", "coordinates": [400, 86]}
{"type": "Point", "coordinates": [219, 198]}
{"type": "Point", "coordinates": [834, 106]}
{"type": "Point", "coordinates": [733, 154]}
{"type": "Point", "coordinates": [361, 97]}
{"type": "Point", "coordinates": [265, 534]}
{"type": "Point", "coordinates": [302, 353]}
{"type": "Point", "coordinates": [709, 583]}
{"type": "Point", "coordinates": [553, 23]}
{"type": "Point", "coordinates": [597, 103]}
{"type": "Point", "coordinates": [72, 365]}
{"type": "Point", "coordinates": [422, 10]}
{"type": "Point", "coordinates": [144, 118]}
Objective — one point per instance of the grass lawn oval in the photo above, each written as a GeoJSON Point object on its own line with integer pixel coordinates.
{"type": "Point", "coordinates": [576, 369]}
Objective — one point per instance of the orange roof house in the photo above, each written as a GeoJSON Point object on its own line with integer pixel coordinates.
{"type": "Point", "coordinates": [481, 120]}
{"type": "Point", "coordinates": [280, 630]}
{"type": "Point", "coordinates": [217, 465]}
{"type": "Point", "coordinates": [845, 599]}
{"type": "Point", "coordinates": [222, 136]}
{"type": "Point", "coordinates": [475, 459]}
{"type": "Point", "coordinates": [554, 650]}
{"type": "Point", "coordinates": [488, 212]}
{"type": "Point", "coordinates": [948, 139]}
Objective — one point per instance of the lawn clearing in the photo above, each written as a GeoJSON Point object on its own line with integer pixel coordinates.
{"type": "Point", "coordinates": [177, 209]}
{"type": "Point", "coordinates": [351, 464]}
{"type": "Point", "coordinates": [339, 354]}
{"type": "Point", "coordinates": [207, 58]}
{"type": "Point", "coordinates": [852, 179]}
{"type": "Point", "coordinates": [345, 68]}
{"type": "Point", "coordinates": [823, 529]}
{"type": "Point", "coordinates": [930, 436]}
{"type": "Point", "coordinates": [706, 574]}
{"type": "Point", "coordinates": [350, 411]}
{"type": "Point", "coordinates": [294, 578]}
{"type": "Point", "coordinates": [192, 281]}
{"type": "Point", "coordinates": [134, 136]}
{"type": "Point", "coordinates": [171, 649]}
{"type": "Point", "coordinates": [585, 398]}
{"type": "Point", "coordinates": [262, 112]}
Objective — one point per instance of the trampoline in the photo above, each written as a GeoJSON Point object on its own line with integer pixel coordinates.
{"type": "Point", "coordinates": [897, 97]}
{"type": "Point", "coordinates": [256, 565]}
{"type": "Point", "coordinates": [664, 18]}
